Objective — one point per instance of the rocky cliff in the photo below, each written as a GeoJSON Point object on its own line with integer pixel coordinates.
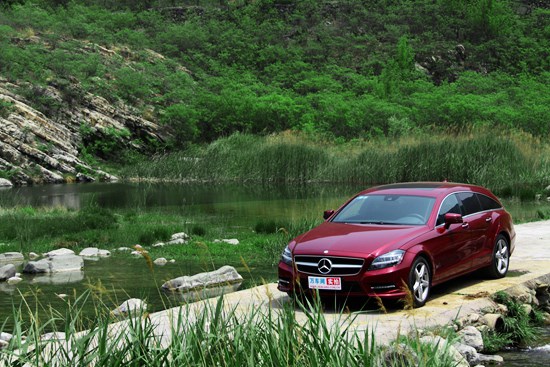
{"type": "Point", "coordinates": [37, 149]}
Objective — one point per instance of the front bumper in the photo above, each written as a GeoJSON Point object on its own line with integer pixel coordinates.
{"type": "Point", "coordinates": [388, 283]}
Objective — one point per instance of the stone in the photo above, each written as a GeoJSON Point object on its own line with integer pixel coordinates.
{"type": "Point", "coordinates": [521, 293]}
{"type": "Point", "coordinates": [94, 252]}
{"type": "Point", "coordinates": [81, 177]}
{"type": "Point", "coordinates": [223, 276]}
{"type": "Point", "coordinates": [160, 261]}
{"type": "Point", "coordinates": [471, 337]}
{"type": "Point", "coordinates": [442, 346]}
{"type": "Point", "coordinates": [59, 252]}
{"type": "Point", "coordinates": [3, 344]}
{"type": "Point", "coordinates": [124, 249]}
{"type": "Point", "coordinates": [178, 236]}
{"type": "Point", "coordinates": [14, 280]}
{"type": "Point", "coordinates": [399, 355]}
{"type": "Point", "coordinates": [230, 241]}
{"type": "Point", "coordinates": [33, 256]}
{"type": "Point", "coordinates": [54, 264]}
{"type": "Point", "coordinates": [7, 271]}
{"type": "Point", "coordinates": [469, 353]}
{"type": "Point", "coordinates": [489, 359]}
{"type": "Point", "coordinates": [11, 258]}
{"type": "Point", "coordinates": [132, 305]}
{"type": "Point", "coordinates": [546, 316]}
{"type": "Point", "coordinates": [37, 267]}
{"type": "Point", "coordinates": [528, 309]}
{"type": "Point", "coordinates": [5, 183]}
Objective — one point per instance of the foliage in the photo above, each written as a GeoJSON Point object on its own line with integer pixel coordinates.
{"type": "Point", "coordinates": [519, 329]}
{"type": "Point", "coordinates": [511, 165]}
{"type": "Point", "coordinates": [212, 68]}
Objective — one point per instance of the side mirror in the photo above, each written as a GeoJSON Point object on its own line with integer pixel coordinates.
{"type": "Point", "coordinates": [453, 218]}
{"type": "Point", "coordinates": [327, 214]}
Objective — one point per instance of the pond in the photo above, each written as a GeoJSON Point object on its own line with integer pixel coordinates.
{"type": "Point", "coordinates": [121, 277]}
{"type": "Point", "coordinates": [537, 355]}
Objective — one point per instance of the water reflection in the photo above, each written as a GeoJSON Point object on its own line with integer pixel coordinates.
{"type": "Point", "coordinates": [67, 277]}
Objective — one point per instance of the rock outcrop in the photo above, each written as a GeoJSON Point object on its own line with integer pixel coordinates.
{"type": "Point", "coordinates": [38, 145]}
{"type": "Point", "coordinates": [223, 276]}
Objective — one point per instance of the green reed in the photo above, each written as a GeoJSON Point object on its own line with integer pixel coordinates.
{"type": "Point", "coordinates": [510, 165]}
{"type": "Point", "coordinates": [214, 334]}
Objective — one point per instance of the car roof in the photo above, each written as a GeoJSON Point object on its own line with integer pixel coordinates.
{"type": "Point", "coordinates": [433, 189]}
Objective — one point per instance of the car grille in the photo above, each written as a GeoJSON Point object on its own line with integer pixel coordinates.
{"type": "Point", "coordinates": [340, 265]}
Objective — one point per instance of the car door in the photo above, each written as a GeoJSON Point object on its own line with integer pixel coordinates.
{"type": "Point", "coordinates": [477, 223]}
{"type": "Point", "coordinates": [448, 248]}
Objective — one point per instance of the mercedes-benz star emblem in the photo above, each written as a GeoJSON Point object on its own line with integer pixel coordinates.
{"type": "Point", "coordinates": [324, 265]}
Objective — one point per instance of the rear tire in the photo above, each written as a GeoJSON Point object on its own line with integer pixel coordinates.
{"type": "Point", "coordinates": [420, 281]}
{"type": "Point", "coordinates": [501, 258]}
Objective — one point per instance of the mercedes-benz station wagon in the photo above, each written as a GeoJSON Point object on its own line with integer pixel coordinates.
{"type": "Point", "coordinates": [396, 240]}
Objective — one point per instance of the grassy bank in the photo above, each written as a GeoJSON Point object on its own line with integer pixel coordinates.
{"type": "Point", "coordinates": [510, 165]}
{"type": "Point", "coordinates": [213, 336]}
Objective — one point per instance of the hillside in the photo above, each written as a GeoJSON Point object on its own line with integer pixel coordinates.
{"type": "Point", "coordinates": [88, 83]}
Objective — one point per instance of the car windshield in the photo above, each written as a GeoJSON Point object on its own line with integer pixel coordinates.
{"type": "Point", "coordinates": [387, 209]}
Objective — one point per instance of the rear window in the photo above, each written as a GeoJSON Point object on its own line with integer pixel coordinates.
{"type": "Point", "coordinates": [469, 202]}
{"type": "Point", "coordinates": [487, 203]}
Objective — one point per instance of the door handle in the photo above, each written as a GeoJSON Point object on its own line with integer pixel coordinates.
{"type": "Point", "coordinates": [488, 219]}
{"type": "Point", "coordinates": [465, 225]}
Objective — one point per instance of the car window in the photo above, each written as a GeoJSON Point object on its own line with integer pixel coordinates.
{"type": "Point", "coordinates": [487, 203]}
{"type": "Point", "coordinates": [469, 202]}
{"type": "Point", "coordinates": [387, 209]}
{"type": "Point", "coordinates": [449, 205]}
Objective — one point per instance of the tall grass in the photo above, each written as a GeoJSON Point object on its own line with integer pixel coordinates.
{"type": "Point", "coordinates": [210, 334]}
{"type": "Point", "coordinates": [510, 165]}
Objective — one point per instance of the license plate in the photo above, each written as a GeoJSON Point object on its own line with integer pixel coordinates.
{"type": "Point", "coordinates": [330, 283]}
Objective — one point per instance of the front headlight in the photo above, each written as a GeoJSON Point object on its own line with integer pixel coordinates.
{"type": "Point", "coordinates": [286, 257]}
{"type": "Point", "coordinates": [388, 259]}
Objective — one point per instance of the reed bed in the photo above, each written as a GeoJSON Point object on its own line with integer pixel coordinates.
{"type": "Point", "coordinates": [509, 164]}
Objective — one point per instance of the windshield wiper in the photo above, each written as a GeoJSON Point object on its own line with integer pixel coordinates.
{"type": "Point", "coordinates": [375, 222]}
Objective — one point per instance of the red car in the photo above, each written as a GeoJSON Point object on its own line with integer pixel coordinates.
{"type": "Point", "coordinates": [391, 237]}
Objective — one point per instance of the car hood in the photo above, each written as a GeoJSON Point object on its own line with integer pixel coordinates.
{"type": "Point", "coordinates": [342, 239]}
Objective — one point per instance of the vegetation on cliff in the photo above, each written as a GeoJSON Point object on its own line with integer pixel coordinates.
{"type": "Point", "coordinates": [340, 70]}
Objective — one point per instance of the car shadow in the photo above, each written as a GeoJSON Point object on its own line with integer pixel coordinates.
{"type": "Point", "coordinates": [335, 305]}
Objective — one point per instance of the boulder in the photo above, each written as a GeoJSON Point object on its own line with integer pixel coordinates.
{"type": "Point", "coordinates": [471, 336]}
{"type": "Point", "coordinates": [399, 355]}
{"type": "Point", "coordinates": [160, 261]}
{"type": "Point", "coordinates": [55, 264]}
{"type": "Point", "coordinates": [442, 346]}
{"type": "Point", "coordinates": [33, 256]}
{"type": "Point", "coordinates": [7, 271]}
{"type": "Point", "coordinates": [176, 239]}
{"type": "Point", "coordinates": [14, 280]}
{"type": "Point", "coordinates": [133, 305]}
{"type": "Point", "coordinates": [489, 359]}
{"type": "Point", "coordinates": [223, 276]}
{"type": "Point", "coordinates": [94, 252]}
{"type": "Point", "coordinates": [521, 293]}
{"type": "Point", "coordinates": [469, 353]}
{"type": "Point", "coordinates": [5, 183]}
{"type": "Point", "coordinates": [59, 252]}
{"type": "Point", "coordinates": [124, 249]}
{"type": "Point", "coordinates": [11, 258]}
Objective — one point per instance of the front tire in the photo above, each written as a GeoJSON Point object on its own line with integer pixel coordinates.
{"type": "Point", "coordinates": [420, 281]}
{"type": "Point", "coordinates": [501, 258]}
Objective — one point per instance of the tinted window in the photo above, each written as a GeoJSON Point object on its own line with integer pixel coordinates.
{"type": "Point", "coordinates": [469, 202]}
{"type": "Point", "coordinates": [449, 205]}
{"type": "Point", "coordinates": [487, 203]}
